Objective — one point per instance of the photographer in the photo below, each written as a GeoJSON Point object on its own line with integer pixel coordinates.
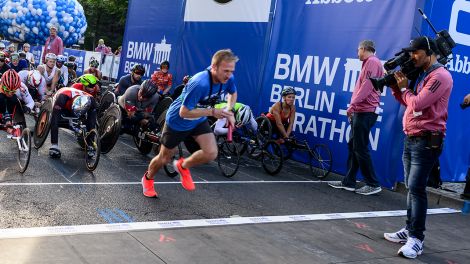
{"type": "Point", "coordinates": [424, 123]}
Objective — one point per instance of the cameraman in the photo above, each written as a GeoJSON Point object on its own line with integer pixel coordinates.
{"type": "Point", "coordinates": [424, 123]}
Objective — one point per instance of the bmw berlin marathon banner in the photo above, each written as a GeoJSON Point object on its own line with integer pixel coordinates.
{"type": "Point", "coordinates": [313, 48]}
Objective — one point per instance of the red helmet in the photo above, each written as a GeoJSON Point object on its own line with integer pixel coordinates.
{"type": "Point", "coordinates": [10, 82]}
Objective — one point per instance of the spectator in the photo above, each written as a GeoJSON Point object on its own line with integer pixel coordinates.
{"type": "Point", "coordinates": [11, 48]}
{"type": "Point", "coordinates": [362, 116]}
{"type": "Point", "coordinates": [103, 49]}
{"type": "Point", "coordinates": [3, 65]}
{"type": "Point", "coordinates": [53, 43]}
{"type": "Point", "coordinates": [29, 55]}
{"type": "Point", "coordinates": [17, 64]}
{"type": "Point", "coordinates": [163, 78]}
{"type": "Point", "coordinates": [118, 51]}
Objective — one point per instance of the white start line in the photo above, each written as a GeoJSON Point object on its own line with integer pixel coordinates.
{"type": "Point", "coordinates": [161, 225]}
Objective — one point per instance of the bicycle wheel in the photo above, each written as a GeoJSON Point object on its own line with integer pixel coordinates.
{"type": "Point", "coordinates": [168, 168]}
{"type": "Point", "coordinates": [271, 158]}
{"type": "Point", "coordinates": [228, 158]}
{"type": "Point", "coordinates": [24, 150]}
{"type": "Point", "coordinates": [91, 161]}
{"type": "Point", "coordinates": [320, 161]}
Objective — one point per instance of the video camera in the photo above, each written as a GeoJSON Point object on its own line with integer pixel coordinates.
{"type": "Point", "coordinates": [402, 59]}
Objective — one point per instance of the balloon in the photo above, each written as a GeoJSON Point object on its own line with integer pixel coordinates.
{"type": "Point", "coordinates": [30, 20]}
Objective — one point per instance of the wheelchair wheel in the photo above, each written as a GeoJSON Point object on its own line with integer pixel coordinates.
{"type": "Point", "coordinates": [161, 107]}
{"type": "Point", "coordinates": [91, 161]}
{"type": "Point", "coordinates": [265, 130]}
{"type": "Point", "coordinates": [24, 150]}
{"type": "Point", "coordinates": [320, 161]}
{"type": "Point", "coordinates": [106, 101]}
{"type": "Point", "coordinates": [271, 158]}
{"type": "Point", "coordinates": [43, 124]}
{"type": "Point", "coordinates": [109, 128]}
{"type": "Point", "coordinates": [142, 145]}
{"type": "Point", "coordinates": [228, 158]}
{"type": "Point", "coordinates": [168, 168]}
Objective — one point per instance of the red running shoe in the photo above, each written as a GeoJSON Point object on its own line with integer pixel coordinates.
{"type": "Point", "coordinates": [185, 175]}
{"type": "Point", "coordinates": [148, 187]}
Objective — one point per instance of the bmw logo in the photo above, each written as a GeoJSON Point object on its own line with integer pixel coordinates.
{"type": "Point", "coordinates": [222, 1]}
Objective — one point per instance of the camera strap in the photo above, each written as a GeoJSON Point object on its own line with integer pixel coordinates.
{"type": "Point", "coordinates": [211, 87]}
{"type": "Point", "coordinates": [423, 75]}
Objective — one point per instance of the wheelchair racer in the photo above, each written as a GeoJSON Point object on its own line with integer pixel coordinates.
{"type": "Point", "coordinates": [88, 83]}
{"type": "Point", "coordinates": [137, 105]}
{"type": "Point", "coordinates": [74, 103]}
{"type": "Point", "coordinates": [243, 117]}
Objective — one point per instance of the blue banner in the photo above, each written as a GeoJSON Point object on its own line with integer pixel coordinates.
{"type": "Point", "coordinates": [80, 59]}
{"type": "Point", "coordinates": [454, 16]}
{"type": "Point", "coordinates": [313, 48]}
{"type": "Point", "coordinates": [151, 35]}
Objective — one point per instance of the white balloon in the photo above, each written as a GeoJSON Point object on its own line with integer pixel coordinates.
{"type": "Point", "coordinates": [72, 29]}
{"type": "Point", "coordinates": [39, 12]}
{"type": "Point", "coordinates": [35, 30]}
{"type": "Point", "coordinates": [10, 30]}
{"type": "Point", "coordinates": [53, 14]}
{"type": "Point", "coordinates": [62, 28]}
{"type": "Point", "coordinates": [33, 12]}
{"type": "Point", "coordinates": [66, 34]}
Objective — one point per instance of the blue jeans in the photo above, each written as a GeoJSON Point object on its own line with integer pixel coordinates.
{"type": "Point", "coordinates": [358, 146]}
{"type": "Point", "coordinates": [418, 161]}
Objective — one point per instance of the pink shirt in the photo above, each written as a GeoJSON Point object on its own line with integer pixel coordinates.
{"type": "Point", "coordinates": [365, 98]}
{"type": "Point", "coordinates": [427, 111]}
{"type": "Point", "coordinates": [53, 46]}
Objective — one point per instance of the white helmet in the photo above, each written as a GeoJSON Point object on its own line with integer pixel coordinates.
{"type": "Point", "coordinates": [243, 115]}
{"type": "Point", "coordinates": [51, 56]}
{"type": "Point", "coordinates": [34, 78]}
{"type": "Point", "coordinates": [2, 45]}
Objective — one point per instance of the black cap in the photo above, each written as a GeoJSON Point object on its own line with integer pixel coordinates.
{"type": "Point", "coordinates": [421, 43]}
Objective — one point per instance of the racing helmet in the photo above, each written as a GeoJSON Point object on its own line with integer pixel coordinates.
{"type": "Point", "coordinates": [34, 78]}
{"type": "Point", "coordinates": [50, 56]}
{"type": "Point", "coordinates": [243, 115]}
{"type": "Point", "coordinates": [81, 104]}
{"type": "Point", "coordinates": [88, 80]}
{"type": "Point", "coordinates": [148, 88]}
{"type": "Point", "coordinates": [94, 63]}
{"type": "Point", "coordinates": [287, 91]}
{"type": "Point", "coordinates": [10, 82]}
{"type": "Point", "coordinates": [2, 45]}
{"type": "Point", "coordinates": [61, 59]}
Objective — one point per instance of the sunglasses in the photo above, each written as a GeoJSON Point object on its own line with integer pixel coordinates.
{"type": "Point", "coordinates": [7, 90]}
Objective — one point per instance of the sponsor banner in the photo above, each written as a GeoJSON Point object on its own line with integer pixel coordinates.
{"type": "Point", "coordinates": [313, 49]}
{"type": "Point", "coordinates": [227, 10]}
{"type": "Point", "coordinates": [151, 35]}
{"type": "Point", "coordinates": [454, 16]}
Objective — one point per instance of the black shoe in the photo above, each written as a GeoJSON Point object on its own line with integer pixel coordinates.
{"type": "Point", "coordinates": [54, 153]}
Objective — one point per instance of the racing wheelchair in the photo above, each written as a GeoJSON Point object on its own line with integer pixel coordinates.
{"type": "Point", "coordinates": [319, 156]}
{"type": "Point", "coordinates": [87, 140]}
{"type": "Point", "coordinates": [17, 131]}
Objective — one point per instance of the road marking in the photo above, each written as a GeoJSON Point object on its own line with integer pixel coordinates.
{"type": "Point", "coordinates": [162, 225]}
{"type": "Point", "coordinates": [138, 183]}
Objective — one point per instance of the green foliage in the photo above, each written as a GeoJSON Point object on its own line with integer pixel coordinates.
{"type": "Point", "coordinates": [106, 20]}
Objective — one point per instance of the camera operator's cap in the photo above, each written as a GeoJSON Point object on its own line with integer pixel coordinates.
{"type": "Point", "coordinates": [421, 43]}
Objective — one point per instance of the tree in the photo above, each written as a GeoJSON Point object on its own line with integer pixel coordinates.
{"type": "Point", "coordinates": [106, 20]}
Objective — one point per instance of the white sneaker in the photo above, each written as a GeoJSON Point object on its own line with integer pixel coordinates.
{"type": "Point", "coordinates": [339, 185]}
{"type": "Point", "coordinates": [412, 248]}
{"type": "Point", "coordinates": [401, 236]}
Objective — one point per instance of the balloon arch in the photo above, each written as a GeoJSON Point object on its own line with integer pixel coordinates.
{"type": "Point", "coordinates": [30, 20]}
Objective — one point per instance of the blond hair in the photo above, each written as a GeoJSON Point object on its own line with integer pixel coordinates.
{"type": "Point", "coordinates": [223, 55]}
